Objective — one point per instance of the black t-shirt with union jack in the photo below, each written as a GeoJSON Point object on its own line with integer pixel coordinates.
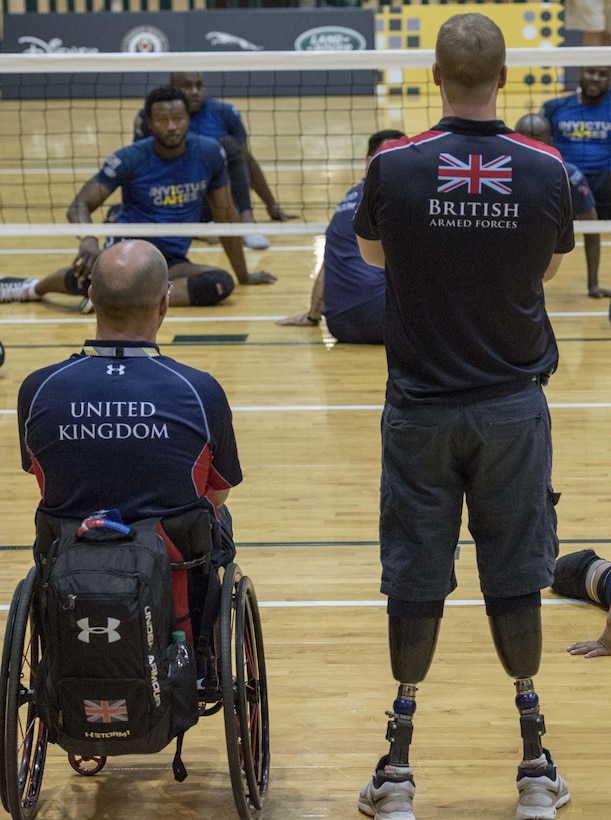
{"type": "Point", "coordinates": [469, 215]}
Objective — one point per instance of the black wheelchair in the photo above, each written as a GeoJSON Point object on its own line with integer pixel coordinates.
{"type": "Point", "coordinates": [235, 682]}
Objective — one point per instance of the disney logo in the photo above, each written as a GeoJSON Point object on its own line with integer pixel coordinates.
{"type": "Point", "coordinates": [54, 46]}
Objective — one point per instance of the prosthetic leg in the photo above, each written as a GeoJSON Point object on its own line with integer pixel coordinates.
{"type": "Point", "coordinates": [515, 624]}
{"type": "Point", "coordinates": [412, 631]}
{"type": "Point", "coordinates": [412, 646]}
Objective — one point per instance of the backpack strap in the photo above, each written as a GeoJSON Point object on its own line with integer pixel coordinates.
{"type": "Point", "coordinates": [178, 767]}
{"type": "Point", "coordinates": [180, 586]}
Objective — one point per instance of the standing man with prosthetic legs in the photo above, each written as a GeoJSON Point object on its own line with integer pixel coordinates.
{"type": "Point", "coordinates": [468, 220]}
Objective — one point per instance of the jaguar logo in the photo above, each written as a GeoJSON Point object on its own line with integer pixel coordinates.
{"type": "Point", "coordinates": [222, 38]}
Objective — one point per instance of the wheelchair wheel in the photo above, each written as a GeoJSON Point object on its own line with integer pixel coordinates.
{"type": "Point", "coordinates": [244, 686]}
{"type": "Point", "coordinates": [87, 766]}
{"type": "Point", "coordinates": [24, 736]}
{"type": "Point", "coordinates": [6, 653]}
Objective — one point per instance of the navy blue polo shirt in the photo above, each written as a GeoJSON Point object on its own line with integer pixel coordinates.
{"type": "Point", "coordinates": [120, 426]}
{"type": "Point", "coordinates": [469, 215]}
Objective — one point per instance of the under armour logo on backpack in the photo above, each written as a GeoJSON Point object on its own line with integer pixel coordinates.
{"type": "Point", "coordinates": [110, 630]}
{"type": "Point", "coordinates": [115, 368]}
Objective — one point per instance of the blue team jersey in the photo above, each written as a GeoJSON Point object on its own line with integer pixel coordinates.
{"type": "Point", "coordinates": [582, 133]}
{"type": "Point", "coordinates": [125, 428]}
{"type": "Point", "coordinates": [164, 190]}
{"type": "Point", "coordinates": [215, 119]}
{"type": "Point", "coordinates": [349, 281]}
{"type": "Point", "coordinates": [469, 215]}
{"type": "Point", "coordinates": [581, 195]}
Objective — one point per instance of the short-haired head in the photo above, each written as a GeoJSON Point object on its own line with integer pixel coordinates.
{"type": "Point", "coordinates": [128, 282]}
{"type": "Point", "coordinates": [380, 137]}
{"type": "Point", "coordinates": [535, 126]}
{"type": "Point", "coordinates": [594, 84]}
{"type": "Point", "coordinates": [193, 85]}
{"type": "Point", "coordinates": [470, 57]}
{"type": "Point", "coordinates": [165, 93]}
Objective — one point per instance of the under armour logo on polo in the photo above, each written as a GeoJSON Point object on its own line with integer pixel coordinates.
{"type": "Point", "coordinates": [115, 368]}
{"type": "Point", "coordinates": [110, 630]}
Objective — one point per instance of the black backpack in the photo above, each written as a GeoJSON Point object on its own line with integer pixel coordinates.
{"type": "Point", "coordinates": [103, 686]}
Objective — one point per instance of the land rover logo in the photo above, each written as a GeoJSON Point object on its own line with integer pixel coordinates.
{"type": "Point", "coordinates": [330, 38]}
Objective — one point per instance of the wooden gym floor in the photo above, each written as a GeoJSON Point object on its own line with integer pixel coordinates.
{"type": "Point", "coordinates": [306, 415]}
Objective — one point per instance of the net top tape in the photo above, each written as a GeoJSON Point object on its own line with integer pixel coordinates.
{"type": "Point", "coordinates": [281, 60]}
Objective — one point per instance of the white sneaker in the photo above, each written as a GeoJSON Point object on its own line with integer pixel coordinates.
{"type": "Point", "coordinates": [256, 242]}
{"type": "Point", "coordinates": [387, 798]}
{"type": "Point", "coordinates": [541, 791]}
{"type": "Point", "coordinates": [13, 289]}
{"type": "Point", "coordinates": [86, 305]}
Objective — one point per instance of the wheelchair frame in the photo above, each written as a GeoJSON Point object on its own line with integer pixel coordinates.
{"type": "Point", "coordinates": [240, 690]}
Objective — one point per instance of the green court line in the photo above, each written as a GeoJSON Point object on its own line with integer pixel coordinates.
{"type": "Point", "coordinates": [211, 338]}
{"type": "Point", "coordinates": [253, 544]}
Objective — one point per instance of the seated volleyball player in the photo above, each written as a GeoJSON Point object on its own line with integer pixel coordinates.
{"type": "Point", "coordinates": [587, 577]}
{"type": "Point", "coordinates": [584, 204]}
{"type": "Point", "coordinates": [223, 122]}
{"type": "Point", "coordinates": [163, 179]}
{"type": "Point", "coordinates": [350, 293]}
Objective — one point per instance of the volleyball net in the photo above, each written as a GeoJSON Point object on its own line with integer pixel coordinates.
{"type": "Point", "coordinates": [309, 116]}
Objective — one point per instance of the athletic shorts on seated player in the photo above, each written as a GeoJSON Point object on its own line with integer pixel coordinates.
{"type": "Point", "coordinates": [495, 452]}
{"type": "Point", "coordinates": [170, 258]}
{"type": "Point", "coordinates": [359, 325]}
{"type": "Point", "coordinates": [600, 185]}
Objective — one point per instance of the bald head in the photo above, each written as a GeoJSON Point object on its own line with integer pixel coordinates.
{"type": "Point", "coordinates": [128, 283]}
{"type": "Point", "coordinates": [535, 126]}
{"type": "Point", "coordinates": [191, 83]}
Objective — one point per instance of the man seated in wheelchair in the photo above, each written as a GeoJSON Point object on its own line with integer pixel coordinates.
{"type": "Point", "coordinates": [119, 427]}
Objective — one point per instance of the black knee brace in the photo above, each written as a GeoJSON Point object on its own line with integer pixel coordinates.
{"type": "Point", "coordinates": [571, 573]}
{"type": "Point", "coordinates": [210, 287]}
{"type": "Point", "coordinates": [515, 624]}
{"type": "Point", "coordinates": [71, 284]}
